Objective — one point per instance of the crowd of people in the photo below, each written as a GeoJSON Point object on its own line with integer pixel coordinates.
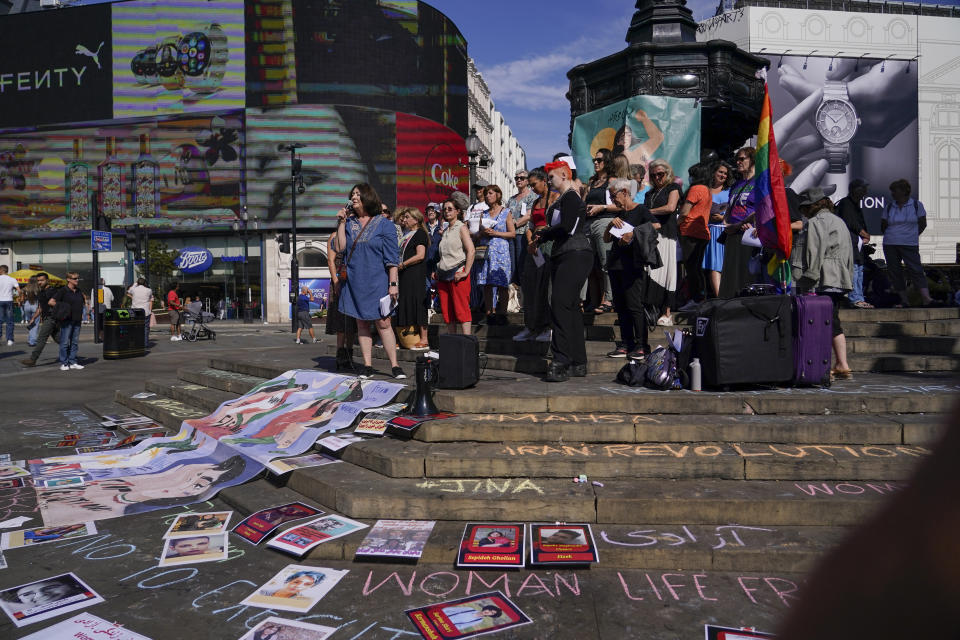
{"type": "Point", "coordinates": [632, 241]}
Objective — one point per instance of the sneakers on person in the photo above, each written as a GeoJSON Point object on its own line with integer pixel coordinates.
{"type": "Point", "coordinates": [76, 366]}
{"type": "Point", "coordinates": [619, 352]}
{"type": "Point", "coordinates": [397, 374]}
{"type": "Point", "coordinates": [690, 306]}
{"type": "Point", "coordinates": [316, 340]}
{"type": "Point", "coordinates": [546, 336]}
{"type": "Point", "coordinates": [9, 343]}
{"type": "Point", "coordinates": [526, 334]}
{"type": "Point", "coordinates": [364, 372]}
{"type": "Point", "coordinates": [64, 367]}
{"type": "Point", "coordinates": [637, 354]}
{"type": "Point", "coordinates": [173, 338]}
{"type": "Point", "coordinates": [578, 371]}
{"type": "Point", "coordinates": [298, 341]}
{"type": "Point", "coordinates": [665, 321]}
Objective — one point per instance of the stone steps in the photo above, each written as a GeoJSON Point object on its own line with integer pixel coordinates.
{"type": "Point", "coordinates": [359, 492]}
{"type": "Point", "coordinates": [712, 546]}
{"type": "Point", "coordinates": [616, 427]}
{"type": "Point", "coordinates": [722, 461]}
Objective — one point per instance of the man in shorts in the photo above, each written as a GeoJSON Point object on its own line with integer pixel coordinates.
{"type": "Point", "coordinates": [303, 315]}
{"type": "Point", "coordinates": [174, 307]}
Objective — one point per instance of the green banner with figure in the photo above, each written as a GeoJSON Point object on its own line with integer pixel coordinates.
{"type": "Point", "coordinates": [643, 128]}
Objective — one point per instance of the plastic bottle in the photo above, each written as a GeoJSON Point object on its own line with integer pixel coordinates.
{"type": "Point", "coordinates": [696, 382]}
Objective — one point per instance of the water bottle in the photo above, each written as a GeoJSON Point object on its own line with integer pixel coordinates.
{"type": "Point", "coordinates": [696, 382]}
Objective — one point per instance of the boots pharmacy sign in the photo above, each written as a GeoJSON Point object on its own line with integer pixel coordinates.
{"type": "Point", "coordinates": [56, 66]}
{"type": "Point", "coordinates": [194, 260]}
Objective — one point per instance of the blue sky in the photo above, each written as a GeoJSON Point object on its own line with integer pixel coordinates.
{"type": "Point", "coordinates": [525, 49]}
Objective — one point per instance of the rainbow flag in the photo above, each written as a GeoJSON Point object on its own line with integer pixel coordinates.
{"type": "Point", "coordinates": [773, 217]}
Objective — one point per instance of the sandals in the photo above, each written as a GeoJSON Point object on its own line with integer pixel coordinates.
{"type": "Point", "coordinates": [420, 346]}
{"type": "Point", "coordinates": [606, 306]}
{"type": "Point", "coordinates": [863, 304]}
{"type": "Point", "coordinates": [841, 374]}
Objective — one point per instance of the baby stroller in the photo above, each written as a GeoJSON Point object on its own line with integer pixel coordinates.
{"type": "Point", "coordinates": [197, 328]}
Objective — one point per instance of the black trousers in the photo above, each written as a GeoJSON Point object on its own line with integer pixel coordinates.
{"type": "Point", "coordinates": [693, 250]}
{"type": "Point", "coordinates": [628, 287]}
{"type": "Point", "coordinates": [568, 273]}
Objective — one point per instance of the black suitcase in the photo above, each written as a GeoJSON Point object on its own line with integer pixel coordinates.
{"type": "Point", "coordinates": [745, 340]}
{"type": "Point", "coordinates": [459, 366]}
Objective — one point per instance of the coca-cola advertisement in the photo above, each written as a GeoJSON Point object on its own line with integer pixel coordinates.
{"type": "Point", "coordinates": [431, 161]}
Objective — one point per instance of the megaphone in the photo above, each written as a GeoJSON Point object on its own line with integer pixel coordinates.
{"type": "Point", "coordinates": [420, 402]}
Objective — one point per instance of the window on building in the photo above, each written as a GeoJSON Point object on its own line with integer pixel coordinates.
{"type": "Point", "coordinates": [312, 259]}
{"type": "Point", "coordinates": [948, 181]}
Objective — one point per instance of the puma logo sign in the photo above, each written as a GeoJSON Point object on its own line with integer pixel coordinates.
{"type": "Point", "coordinates": [83, 51]}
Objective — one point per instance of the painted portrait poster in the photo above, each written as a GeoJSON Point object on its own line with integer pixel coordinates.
{"type": "Point", "coordinates": [300, 539]}
{"type": "Point", "coordinates": [837, 119]}
{"type": "Point", "coordinates": [467, 617]}
{"type": "Point", "coordinates": [643, 128]}
{"type": "Point", "coordinates": [491, 544]}
{"type": "Point", "coordinates": [257, 526]}
{"type": "Point", "coordinates": [286, 415]}
{"type": "Point", "coordinates": [295, 588]}
{"type": "Point", "coordinates": [47, 598]}
{"type": "Point", "coordinates": [562, 544]}
{"type": "Point", "coordinates": [187, 480]}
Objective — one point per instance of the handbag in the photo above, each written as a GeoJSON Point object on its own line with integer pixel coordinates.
{"type": "Point", "coordinates": [446, 275]}
{"type": "Point", "coordinates": [342, 269]}
{"type": "Point", "coordinates": [480, 254]}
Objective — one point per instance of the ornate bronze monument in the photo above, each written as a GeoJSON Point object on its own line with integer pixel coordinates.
{"type": "Point", "coordinates": [663, 58]}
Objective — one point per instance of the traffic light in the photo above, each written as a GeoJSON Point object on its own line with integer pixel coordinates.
{"type": "Point", "coordinates": [132, 244]}
{"type": "Point", "coordinates": [283, 239]}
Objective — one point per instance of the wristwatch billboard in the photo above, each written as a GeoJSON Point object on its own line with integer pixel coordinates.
{"type": "Point", "coordinates": [196, 61]}
{"type": "Point", "coordinates": [837, 123]}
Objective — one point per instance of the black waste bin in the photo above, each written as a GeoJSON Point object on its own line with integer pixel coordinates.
{"type": "Point", "coordinates": [123, 333]}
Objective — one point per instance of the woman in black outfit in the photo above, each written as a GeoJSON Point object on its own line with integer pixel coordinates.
{"type": "Point", "coordinates": [571, 261]}
{"type": "Point", "coordinates": [412, 305]}
{"type": "Point", "coordinates": [628, 272]}
{"type": "Point", "coordinates": [600, 213]}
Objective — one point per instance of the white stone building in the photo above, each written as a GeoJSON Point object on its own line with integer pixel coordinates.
{"type": "Point", "coordinates": [504, 154]}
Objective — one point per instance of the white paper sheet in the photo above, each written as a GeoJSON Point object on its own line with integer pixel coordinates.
{"type": "Point", "coordinates": [618, 233]}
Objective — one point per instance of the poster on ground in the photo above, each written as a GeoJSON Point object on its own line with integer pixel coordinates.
{"type": "Point", "coordinates": [467, 617]}
{"type": "Point", "coordinates": [279, 418]}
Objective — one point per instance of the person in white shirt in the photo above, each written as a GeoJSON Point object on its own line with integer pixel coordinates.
{"type": "Point", "coordinates": [141, 297]}
{"type": "Point", "coordinates": [902, 222]}
{"type": "Point", "coordinates": [8, 286]}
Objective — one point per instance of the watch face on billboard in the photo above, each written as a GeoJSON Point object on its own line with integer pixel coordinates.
{"type": "Point", "coordinates": [863, 126]}
{"type": "Point", "coordinates": [55, 66]}
{"type": "Point", "coordinates": [403, 56]}
{"type": "Point", "coordinates": [177, 56]}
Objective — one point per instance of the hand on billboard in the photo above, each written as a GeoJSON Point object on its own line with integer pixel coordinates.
{"type": "Point", "coordinates": [811, 176]}
{"type": "Point", "coordinates": [884, 104]}
{"type": "Point", "coordinates": [790, 146]}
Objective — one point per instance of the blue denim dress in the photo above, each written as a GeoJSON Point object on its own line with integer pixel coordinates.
{"type": "Point", "coordinates": [367, 263]}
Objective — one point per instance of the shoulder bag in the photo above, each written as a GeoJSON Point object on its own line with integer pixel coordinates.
{"type": "Point", "coordinates": [342, 269]}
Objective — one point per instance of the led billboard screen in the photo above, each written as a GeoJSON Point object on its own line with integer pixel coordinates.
{"type": "Point", "coordinates": [174, 174]}
{"type": "Point", "coordinates": [403, 56]}
{"type": "Point", "coordinates": [55, 66]}
{"type": "Point", "coordinates": [176, 56]}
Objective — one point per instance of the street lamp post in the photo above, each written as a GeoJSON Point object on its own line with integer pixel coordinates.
{"type": "Point", "coordinates": [296, 186]}
{"type": "Point", "coordinates": [472, 142]}
{"type": "Point", "coordinates": [240, 226]}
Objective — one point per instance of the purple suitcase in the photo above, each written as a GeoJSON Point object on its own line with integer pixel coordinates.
{"type": "Point", "coordinates": [812, 339]}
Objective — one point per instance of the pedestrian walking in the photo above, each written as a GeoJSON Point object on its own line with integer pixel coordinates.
{"type": "Point", "coordinates": [141, 297]}
{"type": "Point", "coordinates": [29, 305]}
{"type": "Point", "coordinates": [8, 289]}
{"type": "Point", "coordinates": [70, 320]}
{"type": "Point", "coordinates": [303, 315]}
{"type": "Point", "coordinates": [43, 316]}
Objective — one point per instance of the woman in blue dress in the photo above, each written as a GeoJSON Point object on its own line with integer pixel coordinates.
{"type": "Point", "coordinates": [720, 181]}
{"type": "Point", "coordinates": [496, 231]}
{"type": "Point", "coordinates": [371, 257]}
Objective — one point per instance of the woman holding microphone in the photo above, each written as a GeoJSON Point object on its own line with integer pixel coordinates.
{"type": "Point", "coordinates": [371, 255]}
